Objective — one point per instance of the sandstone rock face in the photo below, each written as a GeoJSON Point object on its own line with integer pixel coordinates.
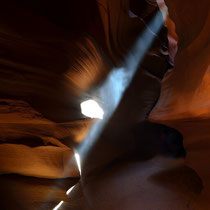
{"type": "Point", "coordinates": [30, 144]}
{"type": "Point", "coordinates": [52, 58]}
{"type": "Point", "coordinates": [185, 90]}
{"type": "Point", "coordinates": [184, 100]}
{"type": "Point", "coordinates": [43, 63]}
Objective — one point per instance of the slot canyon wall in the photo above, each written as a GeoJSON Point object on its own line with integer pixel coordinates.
{"type": "Point", "coordinates": [51, 62]}
{"type": "Point", "coordinates": [53, 55]}
{"type": "Point", "coordinates": [184, 100]}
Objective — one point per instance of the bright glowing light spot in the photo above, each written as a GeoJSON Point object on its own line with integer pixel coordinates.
{"type": "Point", "coordinates": [112, 90]}
{"type": "Point", "coordinates": [77, 157]}
{"type": "Point", "coordinates": [69, 190]}
{"type": "Point", "coordinates": [58, 206]}
{"type": "Point", "coordinates": [90, 108]}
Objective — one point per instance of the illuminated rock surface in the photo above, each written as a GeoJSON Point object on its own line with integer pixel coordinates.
{"type": "Point", "coordinates": [53, 56]}
{"type": "Point", "coordinates": [184, 101]}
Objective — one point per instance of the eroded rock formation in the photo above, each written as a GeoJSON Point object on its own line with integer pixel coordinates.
{"type": "Point", "coordinates": [54, 54]}
{"type": "Point", "coordinates": [50, 65]}
{"type": "Point", "coordinates": [184, 99]}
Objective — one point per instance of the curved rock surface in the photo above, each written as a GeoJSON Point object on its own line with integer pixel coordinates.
{"type": "Point", "coordinates": [184, 100]}
{"type": "Point", "coordinates": [50, 63]}
{"type": "Point", "coordinates": [55, 54]}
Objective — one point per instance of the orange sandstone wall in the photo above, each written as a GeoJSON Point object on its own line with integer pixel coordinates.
{"type": "Point", "coordinates": [184, 101]}
{"type": "Point", "coordinates": [185, 90]}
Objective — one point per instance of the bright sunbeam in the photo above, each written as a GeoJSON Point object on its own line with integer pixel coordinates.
{"type": "Point", "coordinates": [77, 157]}
{"type": "Point", "coordinates": [69, 190]}
{"type": "Point", "coordinates": [113, 88]}
{"type": "Point", "coordinates": [90, 108]}
{"type": "Point", "coordinates": [58, 206]}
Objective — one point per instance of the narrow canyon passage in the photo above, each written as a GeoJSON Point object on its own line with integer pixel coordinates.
{"type": "Point", "coordinates": [146, 63]}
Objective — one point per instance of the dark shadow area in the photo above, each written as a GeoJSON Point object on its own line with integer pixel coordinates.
{"type": "Point", "coordinates": [31, 141]}
{"type": "Point", "coordinates": [22, 193]}
{"type": "Point", "coordinates": [156, 139]}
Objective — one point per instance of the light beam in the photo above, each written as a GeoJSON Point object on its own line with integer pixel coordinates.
{"type": "Point", "coordinates": [113, 88]}
{"type": "Point", "coordinates": [58, 206]}
{"type": "Point", "coordinates": [69, 190]}
{"type": "Point", "coordinates": [77, 157]}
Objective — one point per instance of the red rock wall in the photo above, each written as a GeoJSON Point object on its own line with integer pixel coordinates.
{"type": "Point", "coordinates": [51, 59]}
{"type": "Point", "coordinates": [185, 92]}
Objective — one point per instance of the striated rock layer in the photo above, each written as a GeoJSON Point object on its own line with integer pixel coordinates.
{"type": "Point", "coordinates": [52, 58]}
{"type": "Point", "coordinates": [185, 93]}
